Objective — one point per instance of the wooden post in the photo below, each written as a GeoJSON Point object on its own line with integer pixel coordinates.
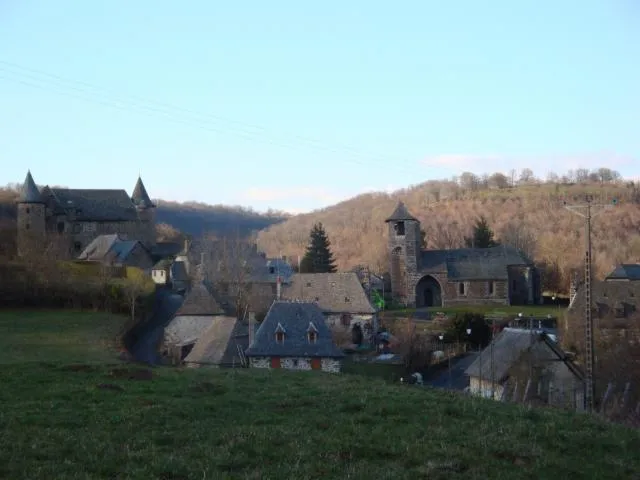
{"type": "Point", "coordinates": [605, 398]}
{"type": "Point", "coordinates": [526, 391]}
{"type": "Point", "coordinates": [514, 397]}
{"type": "Point", "coordinates": [625, 396]}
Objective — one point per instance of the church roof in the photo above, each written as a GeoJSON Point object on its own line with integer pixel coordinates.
{"type": "Point", "coordinates": [473, 263]}
{"type": "Point", "coordinates": [29, 192]}
{"type": "Point", "coordinates": [200, 301]}
{"type": "Point", "coordinates": [401, 213]}
{"type": "Point", "coordinates": [140, 197]}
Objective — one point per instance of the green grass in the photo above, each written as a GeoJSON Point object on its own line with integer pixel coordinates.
{"type": "Point", "coordinates": [85, 423]}
{"type": "Point", "coordinates": [537, 310]}
{"type": "Point", "coordinates": [58, 336]}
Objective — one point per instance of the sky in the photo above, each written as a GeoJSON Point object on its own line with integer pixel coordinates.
{"type": "Point", "coordinates": [298, 105]}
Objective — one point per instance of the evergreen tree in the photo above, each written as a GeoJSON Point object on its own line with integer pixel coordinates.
{"type": "Point", "coordinates": [482, 235]}
{"type": "Point", "coordinates": [318, 257]}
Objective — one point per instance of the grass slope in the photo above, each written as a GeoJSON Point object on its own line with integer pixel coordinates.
{"type": "Point", "coordinates": [71, 422]}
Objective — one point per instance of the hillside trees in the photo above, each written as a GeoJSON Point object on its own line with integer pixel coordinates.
{"type": "Point", "coordinates": [482, 236]}
{"type": "Point", "coordinates": [318, 257]}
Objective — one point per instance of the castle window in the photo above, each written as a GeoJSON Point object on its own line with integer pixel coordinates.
{"type": "Point", "coordinates": [462, 288]}
{"type": "Point", "coordinates": [399, 227]}
{"type": "Point", "coordinates": [491, 288]}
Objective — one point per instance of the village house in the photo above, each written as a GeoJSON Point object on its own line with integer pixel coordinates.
{"type": "Point", "coordinates": [294, 335]}
{"type": "Point", "coordinates": [340, 297]}
{"type": "Point", "coordinates": [80, 215]}
{"type": "Point", "coordinates": [199, 311]}
{"type": "Point", "coordinates": [465, 276]}
{"type": "Point", "coordinates": [527, 364]}
{"type": "Point", "coordinates": [221, 345]}
{"type": "Point", "coordinates": [113, 250]}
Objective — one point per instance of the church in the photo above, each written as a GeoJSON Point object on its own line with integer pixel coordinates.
{"type": "Point", "coordinates": [420, 278]}
{"type": "Point", "coordinates": [78, 216]}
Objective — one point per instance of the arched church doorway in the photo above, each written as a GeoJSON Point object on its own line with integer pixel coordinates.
{"type": "Point", "coordinates": [428, 292]}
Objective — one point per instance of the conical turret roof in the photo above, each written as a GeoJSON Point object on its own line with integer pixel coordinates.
{"type": "Point", "coordinates": [140, 196]}
{"type": "Point", "coordinates": [401, 213]}
{"type": "Point", "coordinates": [30, 192]}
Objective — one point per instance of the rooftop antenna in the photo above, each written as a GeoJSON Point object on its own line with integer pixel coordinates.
{"type": "Point", "coordinates": [586, 210]}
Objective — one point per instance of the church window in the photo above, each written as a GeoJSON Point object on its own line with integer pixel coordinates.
{"type": "Point", "coordinates": [491, 288]}
{"type": "Point", "coordinates": [399, 226]}
{"type": "Point", "coordinates": [462, 288]}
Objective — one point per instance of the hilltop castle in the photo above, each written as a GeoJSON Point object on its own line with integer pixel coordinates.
{"type": "Point", "coordinates": [78, 216]}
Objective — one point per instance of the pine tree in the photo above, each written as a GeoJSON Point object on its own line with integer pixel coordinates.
{"type": "Point", "coordinates": [318, 257]}
{"type": "Point", "coordinates": [482, 235]}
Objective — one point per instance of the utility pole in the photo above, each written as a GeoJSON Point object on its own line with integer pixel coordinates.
{"type": "Point", "coordinates": [588, 210]}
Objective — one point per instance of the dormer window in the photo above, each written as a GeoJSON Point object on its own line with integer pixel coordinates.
{"type": "Point", "coordinates": [312, 333]}
{"type": "Point", "coordinates": [399, 228]}
{"type": "Point", "coordinates": [280, 331]}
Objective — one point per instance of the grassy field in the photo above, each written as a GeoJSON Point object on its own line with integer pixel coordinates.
{"type": "Point", "coordinates": [536, 310]}
{"type": "Point", "coordinates": [63, 418]}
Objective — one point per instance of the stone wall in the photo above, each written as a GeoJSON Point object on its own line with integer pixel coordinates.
{"type": "Point", "coordinates": [334, 320]}
{"type": "Point", "coordinates": [330, 365]}
{"type": "Point", "coordinates": [260, 362]}
{"type": "Point", "coordinates": [483, 388]}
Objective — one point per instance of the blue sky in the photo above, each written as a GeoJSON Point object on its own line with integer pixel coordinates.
{"type": "Point", "coordinates": [296, 105]}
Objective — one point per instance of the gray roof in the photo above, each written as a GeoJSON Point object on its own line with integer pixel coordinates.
{"type": "Point", "coordinates": [508, 348]}
{"type": "Point", "coordinates": [200, 300]}
{"type": "Point", "coordinates": [140, 197]}
{"type": "Point", "coordinates": [296, 319]}
{"type": "Point", "coordinates": [93, 205]}
{"type": "Point", "coordinates": [333, 292]}
{"type": "Point", "coordinates": [166, 249]}
{"type": "Point", "coordinates": [218, 345]}
{"type": "Point", "coordinates": [625, 271]}
{"type": "Point", "coordinates": [401, 213]}
{"type": "Point", "coordinates": [29, 192]}
{"type": "Point", "coordinates": [473, 263]}
{"type": "Point", "coordinates": [179, 272]}
{"type": "Point", "coordinates": [108, 247]}
{"type": "Point", "coordinates": [607, 296]}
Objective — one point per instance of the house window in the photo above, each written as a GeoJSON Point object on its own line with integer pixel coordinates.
{"type": "Point", "coordinates": [77, 246]}
{"type": "Point", "coordinates": [28, 210]}
{"type": "Point", "coordinates": [312, 336]}
{"type": "Point", "coordinates": [308, 284]}
{"type": "Point", "coordinates": [280, 337]}
{"type": "Point", "coordinates": [491, 288]}
{"type": "Point", "coordinates": [317, 299]}
{"type": "Point", "coordinates": [272, 270]}
{"type": "Point", "coordinates": [345, 319]}
{"type": "Point", "coordinates": [462, 288]}
{"type": "Point", "coordinates": [60, 227]}
{"type": "Point", "coordinates": [295, 362]}
{"type": "Point", "coordinates": [620, 311]}
{"type": "Point", "coordinates": [347, 299]}
{"type": "Point", "coordinates": [76, 228]}
{"type": "Point", "coordinates": [399, 227]}
{"type": "Point", "coordinates": [514, 285]}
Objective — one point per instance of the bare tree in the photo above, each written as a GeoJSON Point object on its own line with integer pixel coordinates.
{"type": "Point", "coordinates": [519, 236]}
{"type": "Point", "coordinates": [232, 264]}
{"type": "Point", "coordinates": [498, 180]}
{"type": "Point", "coordinates": [526, 176]}
{"type": "Point", "coordinates": [135, 285]}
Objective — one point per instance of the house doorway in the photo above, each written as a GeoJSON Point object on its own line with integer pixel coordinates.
{"type": "Point", "coordinates": [275, 362]}
{"type": "Point", "coordinates": [316, 364]}
{"type": "Point", "coordinates": [428, 292]}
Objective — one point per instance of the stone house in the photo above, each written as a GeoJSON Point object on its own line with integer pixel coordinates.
{"type": "Point", "coordinates": [171, 273]}
{"type": "Point", "coordinates": [113, 250]}
{"type": "Point", "coordinates": [78, 216]}
{"type": "Point", "coordinates": [200, 310]}
{"type": "Point", "coordinates": [466, 276]}
{"type": "Point", "coordinates": [221, 345]}
{"type": "Point", "coordinates": [521, 362]}
{"type": "Point", "coordinates": [295, 336]}
{"type": "Point", "coordinates": [340, 297]}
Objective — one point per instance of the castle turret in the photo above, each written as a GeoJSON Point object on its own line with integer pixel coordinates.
{"type": "Point", "coordinates": [146, 212]}
{"type": "Point", "coordinates": [31, 228]}
{"type": "Point", "coordinates": [404, 246]}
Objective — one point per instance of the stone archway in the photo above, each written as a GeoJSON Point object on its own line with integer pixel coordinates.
{"type": "Point", "coordinates": [428, 292]}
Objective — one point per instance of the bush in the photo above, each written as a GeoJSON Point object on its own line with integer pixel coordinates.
{"type": "Point", "coordinates": [457, 325]}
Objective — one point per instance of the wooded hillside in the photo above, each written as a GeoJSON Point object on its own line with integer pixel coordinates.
{"type": "Point", "coordinates": [524, 212]}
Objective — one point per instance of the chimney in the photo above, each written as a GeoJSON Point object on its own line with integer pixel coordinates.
{"type": "Point", "coordinates": [186, 246]}
{"type": "Point", "coordinates": [278, 288]}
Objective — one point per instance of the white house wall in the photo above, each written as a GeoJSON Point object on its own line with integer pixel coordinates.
{"type": "Point", "coordinates": [297, 363]}
{"type": "Point", "coordinates": [334, 320]}
{"type": "Point", "coordinates": [484, 388]}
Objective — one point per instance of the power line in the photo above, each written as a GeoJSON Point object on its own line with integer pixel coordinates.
{"type": "Point", "coordinates": [92, 93]}
{"type": "Point", "coordinates": [588, 210]}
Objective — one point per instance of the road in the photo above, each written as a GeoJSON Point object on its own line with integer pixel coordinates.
{"type": "Point", "coordinates": [459, 381]}
{"type": "Point", "coordinates": [165, 306]}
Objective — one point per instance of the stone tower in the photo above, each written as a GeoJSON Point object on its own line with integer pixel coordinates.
{"type": "Point", "coordinates": [405, 244]}
{"type": "Point", "coordinates": [31, 228]}
{"type": "Point", "coordinates": [146, 212]}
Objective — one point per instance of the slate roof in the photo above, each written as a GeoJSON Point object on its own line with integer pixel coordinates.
{"type": "Point", "coordinates": [218, 345]}
{"type": "Point", "coordinates": [626, 271]}
{"type": "Point", "coordinates": [29, 192]}
{"type": "Point", "coordinates": [508, 347]}
{"type": "Point", "coordinates": [607, 296]}
{"type": "Point", "coordinates": [296, 319]}
{"type": "Point", "coordinates": [110, 248]}
{"type": "Point", "coordinates": [333, 292]}
{"type": "Point", "coordinates": [140, 197]}
{"type": "Point", "coordinates": [200, 300]}
{"type": "Point", "coordinates": [473, 263]}
{"type": "Point", "coordinates": [401, 213]}
{"type": "Point", "coordinates": [179, 272]}
{"type": "Point", "coordinates": [165, 249]}
{"type": "Point", "coordinates": [92, 205]}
